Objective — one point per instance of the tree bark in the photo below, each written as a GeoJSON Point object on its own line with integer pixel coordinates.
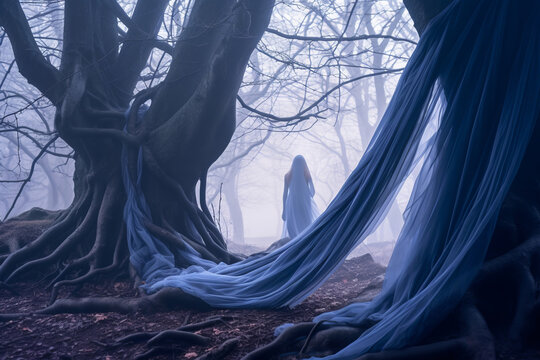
{"type": "Point", "coordinates": [423, 11]}
{"type": "Point", "coordinates": [188, 125]}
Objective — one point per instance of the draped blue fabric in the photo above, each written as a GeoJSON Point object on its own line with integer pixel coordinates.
{"type": "Point", "coordinates": [152, 259]}
{"type": "Point", "coordinates": [299, 209]}
{"type": "Point", "coordinates": [474, 76]}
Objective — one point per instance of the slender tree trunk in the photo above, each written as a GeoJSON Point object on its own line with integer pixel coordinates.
{"type": "Point", "coordinates": [230, 190]}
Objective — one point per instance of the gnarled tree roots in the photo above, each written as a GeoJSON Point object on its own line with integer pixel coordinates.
{"type": "Point", "coordinates": [88, 240]}
{"type": "Point", "coordinates": [177, 340]}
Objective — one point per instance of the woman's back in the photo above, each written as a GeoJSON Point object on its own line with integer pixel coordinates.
{"type": "Point", "coordinates": [299, 209]}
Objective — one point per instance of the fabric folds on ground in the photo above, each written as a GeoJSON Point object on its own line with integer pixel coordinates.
{"type": "Point", "coordinates": [475, 75]}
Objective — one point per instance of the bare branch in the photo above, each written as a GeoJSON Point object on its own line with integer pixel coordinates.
{"type": "Point", "coordinates": [300, 116]}
{"type": "Point", "coordinates": [131, 25]}
{"type": "Point", "coordinates": [138, 43]}
{"type": "Point", "coordinates": [7, 73]}
{"type": "Point", "coordinates": [29, 177]}
{"type": "Point", "coordinates": [338, 38]}
{"type": "Point", "coordinates": [30, 61]}
{"type": "Point", "coordinates": [243, 153]}
{"type": "Point", "coordinates": [303, 115]}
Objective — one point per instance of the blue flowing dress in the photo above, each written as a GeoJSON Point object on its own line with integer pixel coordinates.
{"type": "Point", "coordinates": [299, 209]}
{"type": "Point", "coordinates": [475, 76]}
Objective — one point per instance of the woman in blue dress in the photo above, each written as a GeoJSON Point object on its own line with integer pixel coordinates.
{"type": "Point", "coordinates": [474, 75]}
{"type": "Point", "coordinates": [299, 209]}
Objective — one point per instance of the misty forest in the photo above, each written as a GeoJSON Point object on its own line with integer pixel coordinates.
{"type": "Point", "coordinates": [270, 179]}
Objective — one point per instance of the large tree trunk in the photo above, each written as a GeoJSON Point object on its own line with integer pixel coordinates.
{"type": "Point", "coordinates": [189, 123]}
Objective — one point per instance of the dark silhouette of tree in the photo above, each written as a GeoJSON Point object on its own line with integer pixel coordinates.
{"type": "Point", "coordinates": [189, 122]}
{"type": "Point", "coordinates": [107, 64]}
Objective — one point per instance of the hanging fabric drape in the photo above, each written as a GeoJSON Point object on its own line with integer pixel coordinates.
{"type": "Point", "coordinates": [475, 75]}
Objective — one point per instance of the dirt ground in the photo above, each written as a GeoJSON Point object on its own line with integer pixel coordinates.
{"type": "Point", "coordinates": [89, 336]}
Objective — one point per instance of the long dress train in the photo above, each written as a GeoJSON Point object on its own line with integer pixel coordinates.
{"type": "Point", "coordinates": [475, 76]}
{"type": "Point", "coordinates": [299, 209]}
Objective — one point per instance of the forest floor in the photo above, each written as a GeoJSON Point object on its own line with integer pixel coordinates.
{"type": "Point", "coordinates": [88, 336]}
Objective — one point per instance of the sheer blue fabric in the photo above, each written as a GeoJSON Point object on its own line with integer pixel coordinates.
{"type": "Point", "coordinates": [299, 209]}
{"type": "Point", "coordinates": [151, 258]}
{"type": "Point", "coordinates": [477, 65]}
{"type": "Point", "coordinates": [489, 70]}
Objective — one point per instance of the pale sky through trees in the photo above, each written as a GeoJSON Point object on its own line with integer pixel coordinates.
{"type": "Point", "coordinates": [285, 76]}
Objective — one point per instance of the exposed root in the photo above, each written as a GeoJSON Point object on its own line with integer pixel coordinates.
{"type": "Point", "coordinates": [67, 245]}
{"type": "Point", "coordinates": [93, 272]}
{"type": "Point", "coordinates": [503, 299]}
{"type": "Point", "coordinates": [136, 337]}
{"type": "Point", "coordinates": [89, 239]}
{"type": "Point", "coordinates": [211, 321]}
{"type": "Point", "coordinates": [150, 336]}
{"type": "Point", "coordinates": [68, 268]}
{"type": "Point", "coordinates": [168, 341]}
{"type": "Point", "coordinates": [288, 341]}
{"type": "Point", "coordinates": [193, 212]}
{"type": "Point", "coordinates": [328, 341]}
{"type": "Point", "coordinates": [473, 342]}
{"type": "Point", "coordinates": [175, 337]}
{"type": "Point", "coordinates": [90, 305]}
{"type": "Point", "coordinates": [212, 238]}
{"type": "Point", "coordinates": [9, 288]}
{"type": "Point", "coordinates": [108, 224]}
{"type": "Point", "coordinates": [165, 299]}
{"type": "Point", "coordinates": [52, 236]}
{"type": "Point", "coordinates": [221, 351]}
{"type": "Point", "coordinates": [15, 316]}
{"type": "Point", "coordinates": [155, 351]}
{"type": "Point", "coordinates": [176, 242]}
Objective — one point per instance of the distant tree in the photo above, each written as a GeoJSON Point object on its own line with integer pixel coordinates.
{"type": "Point", "coordinates": [26, 126]}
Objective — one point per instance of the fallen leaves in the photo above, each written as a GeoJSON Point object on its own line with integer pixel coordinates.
{"type": "Point", "coordinates": [99, 317]}
{"type": "Point", "coordinates": [80, 334]}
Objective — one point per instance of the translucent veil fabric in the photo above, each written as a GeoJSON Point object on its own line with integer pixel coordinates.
{"type": "Point", "coordinates": [299, 209]}
{"type": "Point", "coordinates": [489, 70]}
{"type": "Point", "coordinates": [481, 60]}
